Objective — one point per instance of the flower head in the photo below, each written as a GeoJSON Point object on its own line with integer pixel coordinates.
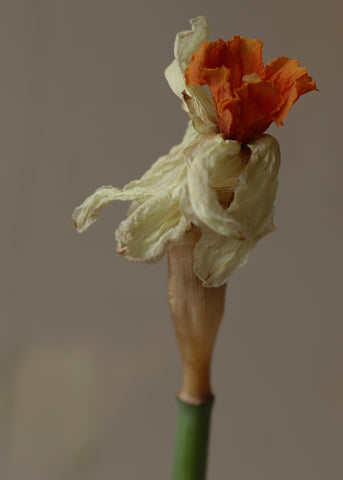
{"type": "Point", "coordinates": [210, 179]}
{"type": "Point", "coordinates": [247, 95]}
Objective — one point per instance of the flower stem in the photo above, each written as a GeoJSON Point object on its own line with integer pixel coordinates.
{"type": "Point", "coordinates": [192, 435]}
{"type": "Point", "coordinates": [197, 312]}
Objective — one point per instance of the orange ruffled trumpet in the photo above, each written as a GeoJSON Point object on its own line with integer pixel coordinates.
{"type": "Point", "coordinates": [248, 96]}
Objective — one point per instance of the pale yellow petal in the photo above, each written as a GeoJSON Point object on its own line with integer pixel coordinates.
{"type": "Point", "coordinates": [217, 257]}
{"type": "Point", "coordinates": [187, 43]}
{"type": "Point", "coordinates": [212, 159]}
{"type": "Point", "coordinates": [200, 109]}
{"type": "Point", "coordinates": [145, 234]}
{"type": "Point", "coordinates": [254, 198]}
{"type": "Point", "coordinates": [168, 172]}
{"type": "Point", "coordinates": [89, 211]}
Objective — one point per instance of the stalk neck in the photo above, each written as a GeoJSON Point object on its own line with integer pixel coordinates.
{"type": "Point", "coordinates": [197, 312]}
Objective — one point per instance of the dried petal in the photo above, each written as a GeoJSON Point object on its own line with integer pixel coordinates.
{"type": "Point", "coordinates": [87, 213]}
{"type": "Point", "coordinates": [168, 172]}
{"type": "Point", "coordinates": [144, 235]}
{"type": "Point", "coordinates": [211, 155]}
{"type": "Point", "coordinates": [217, 257]}
{"type": "Point", "coordinates": [248, 97]}
{"type": "Point", "coordinates": [186, 43]}
{"type": "Point", "coordinates": [241, 56]}
{"type": "Point", "coordinates": [250, 112]}
{"type": "Point", "coordinates": [291, 80]}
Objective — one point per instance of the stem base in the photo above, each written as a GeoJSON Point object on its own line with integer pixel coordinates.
{"type": "Point", "coordinates": [192, 436]}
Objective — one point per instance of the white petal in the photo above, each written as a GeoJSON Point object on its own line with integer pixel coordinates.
{"type": "Point", "coordinates": [87, 213]}
{"type": "Point", "coordinates": [217, 257]}
{"type": "Point", "coordinates": [168, 172]}
{"type": "Point", "coordinates": [187, 43]}
{"type": "Point", "coordinates": [145, 234]}
{"type": "Point", "coordinates": [199, 106]}
{"type": "Point", "coordinates": [254, 198]}
{"type": "Point", "coordinates": [211, 159]}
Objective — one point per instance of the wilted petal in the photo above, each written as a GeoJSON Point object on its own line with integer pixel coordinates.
{"type": "Point", "coordinates": [211, 158]}
{"type": "Point", "coordinates": [248, 97]}
{"type": "Point", "coordinates": [254, 198]}
{"type": "Point", "coordinates": [168, 172]}
{"type": "Point", "coordinates": [144, 235]}
{"type": "Point", "coordinates": [201, 123]}
{"type": "Point", "coordinates": [240, 56]}
{"type": "Point", "coordinates": [217, 257]}
{"type": "Point", "coordinates": [89, 211]}
{"type": "Point", "coordinates": [203, 107]}
{"type": "Point", "coordinates": [291, 80]}
{"type": "Point", "coordinates": [186, 43]}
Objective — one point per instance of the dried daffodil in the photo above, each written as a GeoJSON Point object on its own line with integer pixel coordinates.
{"type": "Point", "coordinates": [208, 201]}
{"type": "Point", "coordinates": [211, 179]}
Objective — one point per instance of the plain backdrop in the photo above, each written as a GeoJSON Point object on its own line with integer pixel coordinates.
{"type": "Point", "coordinates": [89, 363]}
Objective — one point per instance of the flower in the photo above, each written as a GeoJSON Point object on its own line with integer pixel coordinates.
{"type": "Point", "coordinates": [248, 96]}
{"type": "Point", "coordinates": [224, 187]}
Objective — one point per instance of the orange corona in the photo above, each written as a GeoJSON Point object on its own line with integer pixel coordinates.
{"type": "Point", "coordinates": [247, 94]}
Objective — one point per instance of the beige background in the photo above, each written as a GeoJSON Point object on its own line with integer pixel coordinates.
{"type": "Point", "coordinates": [89, 363]}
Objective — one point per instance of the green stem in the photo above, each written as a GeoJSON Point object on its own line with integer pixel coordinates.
{"type": "Point", "coordinates": [192, 434]}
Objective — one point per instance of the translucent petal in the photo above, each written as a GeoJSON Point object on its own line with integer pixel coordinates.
{"type": "Point", "coordinates": [254, 198]}
{"type": "Point", "coordinates": [217, 257]}
{"type": "Point", "coordinates": [187, 43]}
{"type": "Point", "coordinates": [291, 80]}
{"type": "Point", "coordinates": [87, 213]}
{"type": "Point", "coordinates": [168, 172]}
{"type": "Point", "coordinates": [144, 235]}
{"type": "Point", "coordinates": [212, 157]}
{"type": "Point", "coordinates": [203, 117]}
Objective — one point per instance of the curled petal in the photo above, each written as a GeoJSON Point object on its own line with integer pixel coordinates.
{"type": "Point", "coordinates": [186, 43]}
{"type": "Point", "coordinates": [248, 97]}
{"type": "Point", "coordinates": [201, 123]}
{"type": "Point", "coordinates": [145, 234]}
{"type": "Point", "coordinates": [87, 213]}
{"type": "Point", "coordinates": [217, 257]}
{"type": "Point", "coordinates": [168, 172]}
{"type": "Point", "coordinates": [254, 198]}
{"type": "Point", "coordinates": [291, 80]}
{"type": "Point", "coordinates": [203, 107]}
{"type": "Point", "coordinates": [189, 41]}
{"type": "Point", "coordinates": [217, 80]}
{"type": "Point", "coordinates": [212, 157]}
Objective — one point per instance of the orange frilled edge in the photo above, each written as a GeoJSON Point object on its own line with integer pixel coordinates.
{"type": "Point", "coordinates": [247, 94]}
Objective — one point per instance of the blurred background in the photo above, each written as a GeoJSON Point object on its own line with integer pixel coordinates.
{"type": "Point", "coordinates": [89, 363]}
